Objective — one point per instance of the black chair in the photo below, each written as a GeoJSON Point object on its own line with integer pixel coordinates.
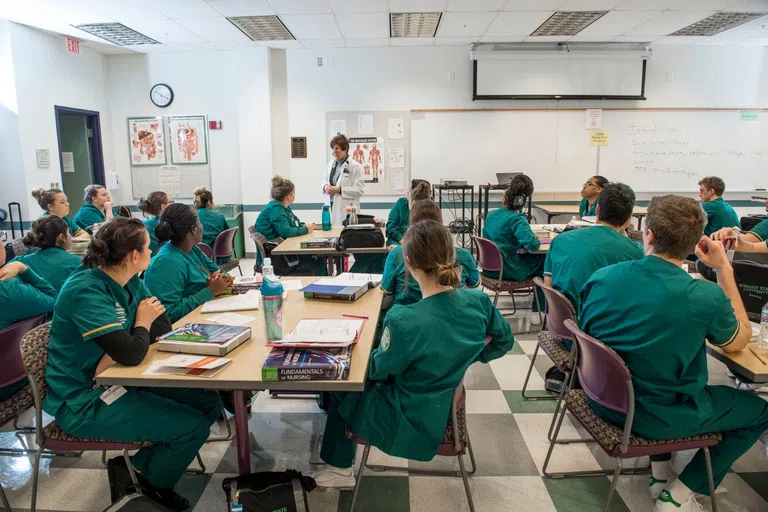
{"type": "Point", "coordinates": [752, 281]}
{"type": "Point", "coordinates": [750, 221]}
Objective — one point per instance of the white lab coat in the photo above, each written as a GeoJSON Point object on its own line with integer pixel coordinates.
{"type": "Point", "coordinates": [352, 183]}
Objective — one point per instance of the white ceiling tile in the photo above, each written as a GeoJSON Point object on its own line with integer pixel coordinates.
{"type": "Point", "coordinates": [118, 11]}
{"type": "Point", "coordinates": [701, 5]}
{"type": "Point", "coordinates": [578, 38]}
{"type": "Point", "coordinates": [465, 24]}
{"type": "Point", "coordinates": [668, 22]}
{"type": "Point", "coordinates": [615, 23]}
{"type": "Point", "coordinates": [534, 5]}
{"type": "Point", "coordinates": [364, 43]}
{"type": "Point", "coordinates": [285, 45]}
{"type": "Point", "coordinates": [517, 23]}
{"type": "Point", "coordinates": [454, 41]}
{"type": "Point", "coordinates": [412, 41]}
{"type": "Point", "coordinates": [151, 48]}
{"type": "Point", "coordinates": [367, 25]}
{"type": "Point", "coordinates": [347, 6]}
{"type": "Point", "coordinates": [749, 6]}
{"type": "Point", "coordinates": [546, 39]}
{"type": "Point", "coordinates": [678, 40]}
{"type": "Point", "coordinates": [312, 26]}
{"type": "Point", "coordinates": [502, 39]}
{"type": "Point", "coordinates": [191, 10]}
{"type": "Point", "coordinates": [193, 47]}
{"type": "Point", "coordinates": [417, 5]}
{"type": "Point", "coordinates": [635, 39]}
{"type": "Point", "coordinates": [589, 5]}
{"type": "Point", "coordinates": [217, 30]}
{"type": "Point", "coordinates": [475, 5]}
{"type": "Point", "coordinates": [301, 6]}
{"type": "Point", "coordinates": [323, 43]}
{"type": "Point", "coordinates": [163, 30]}
{"type": "Point", "coordinates": [645, 5]}
{"type": "Point", "coordinates": [235, 8]}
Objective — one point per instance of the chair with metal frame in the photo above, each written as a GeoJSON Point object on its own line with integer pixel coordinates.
{"type": "Point", "coordinates": [224, 247]}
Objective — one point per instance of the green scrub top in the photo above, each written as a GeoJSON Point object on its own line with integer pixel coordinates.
{"type": "Point", "coordinates": [575, 255]}
{"type": "Point", "coordinates": [73, 228]}
{"type": "Point", "coordinates": [657, 318]}
{"type": "Point", "coordinates": [213, 223]}
{"type": "Point", "coordinates": [154, 244]}
{"type": "Point", "coordinates": [175, 278]}
{"type": "Point", "coordinates": [92, 304]}
{"type": "Point", "coordinates": [761, 231]}
{"type": "Point", "coordinates": [53, 264]}
{"type": "Point", "coordinates": [719, 215]}
{"type": "Point", "coordinates": [87, 216]}
{"type": "Point", "coordinates": [407, 291]}
{"type": "Point", "coordinates": [587, 211]}
{"type": "Point", "coordinates": [278, 221]}
{"type": "Point", "coordinates": [25, 296]}
{"type": "Point", "coordinates": [425, 351]}
{"type": "Point", "coordinates": [511, 232]}
{"type": "Point", "coordinates": [398, 220]}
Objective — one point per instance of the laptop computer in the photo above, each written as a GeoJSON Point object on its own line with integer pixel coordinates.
{"type": "Point", "coordinates": [504, 178]}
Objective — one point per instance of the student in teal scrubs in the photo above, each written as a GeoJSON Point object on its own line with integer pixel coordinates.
{"type": "Point", "coordinates": [213, 222]}
{"type": "Point", "coordinates": [107, 316]}
{"type": "Point", "coordinates": [424, 353]}
{"type": "Point", "coordinates": [97, 208]}
{"type": "Point", "coordinates": [405, 288]}
{"type": "Point", "coordinates": [509, 229]}
{"type": "Point", "coordinates": [52, 262]}
{"type": "Point", "coordinates": [180, 275]}
{"type": "Point", "coordinates": [54, 202]}
{"type": "Point", "coordinates": [152, 207]}
{"type": "Point", "coordinates": [277, 220]}
{"type": "Point", "coordinates": [589, 193]}
{"type": "Point", "coordinates": [719, 213]}
{"type": "Point", "coordinates": [574, 255]}
{"type": "Point", "coordinates": [399, 216]}
{"type": "Point", "coordinates": [657, 318]}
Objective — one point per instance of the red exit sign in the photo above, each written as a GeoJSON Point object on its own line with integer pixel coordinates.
{"type": "Point", "coordinates": [73, 45]}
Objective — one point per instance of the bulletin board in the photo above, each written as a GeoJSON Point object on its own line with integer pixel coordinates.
{"type": "Point", "coordinates": [177, 170]}
{"type": "Point", "coordinates": [381, 142]}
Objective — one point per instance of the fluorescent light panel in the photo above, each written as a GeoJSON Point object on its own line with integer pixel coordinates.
{"type": "Point", "coordinates": [717, 23]}
{"type": "Point", "coordinates": [413, 24]}
{"type": "Point", "coordinates": [568, 23]}
{"type": "Point", "coordinates": [262, 28]}
{"type": "Point", "coordinates": [116, 33]}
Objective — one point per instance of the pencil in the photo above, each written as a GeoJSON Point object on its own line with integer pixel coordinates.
{"type": "Point", "coordinates": [204, 270]}
{"type": "Point", "coordinates": [757, 356]}
{"type": "Point", "coordinates": [356, 316]}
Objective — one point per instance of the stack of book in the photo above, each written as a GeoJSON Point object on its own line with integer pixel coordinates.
{"type": "Point", "coordinates": [208, 339]}
{"type": "Point", "coordinates": [337, 288]}
{"type": "Point", "coordinates": [244, 284]}
{"type": "Point", "coordinates": [320, 243]}
{"type": "Point", "coordinates": [307, 364]}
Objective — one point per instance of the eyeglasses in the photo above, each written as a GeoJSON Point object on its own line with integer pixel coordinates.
{"type": "Point", "coordinates": [589, 184]}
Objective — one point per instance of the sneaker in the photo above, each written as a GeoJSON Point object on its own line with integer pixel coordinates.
{"type": "Point", "coordinates": [335, 478]}
{"type": "Point", "coordinates": [665, 503]}
{"type": "Point", "coordinates": [655, 486]}
{"type": "Point", "coordinates": [535, 319]}
{"type": "Point", "coordinates": [119, 478]}
{"type": "Point", "coordinates": [166, 497]}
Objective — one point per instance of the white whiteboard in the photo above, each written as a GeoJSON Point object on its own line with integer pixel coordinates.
{"type": "Point", "coordinates": [654, 151]}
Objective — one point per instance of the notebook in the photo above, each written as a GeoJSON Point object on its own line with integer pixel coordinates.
{"type": "Point", "coordinates": [374, 280]}
{"type": "Point", "coordinates": [194, 366]}
{"type": "Point", "coordinates": [240, 302]}
{"type": "Point", "coordinates": [323, 332]}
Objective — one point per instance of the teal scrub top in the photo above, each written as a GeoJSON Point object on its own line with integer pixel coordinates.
{"type": "Point", "coordinates": [511, 232]}
{"type": "Point", "coordinates": [657, 318]}
{"type": "Point", "coordinates": [213, 223]}
{"type": "Point", "coordinates": [87, 216]}
{"type": "Point", "coordinates": [25, 296]}
{"type": "Point", "coordinates": [587, 211]}
{"type": "Point", "coordinates": [175, 278]}
{"type": "Point", "coordinates": [91, 305]}
{"type": "Point", "coordinates": [406, 290]}
{"type": "Point", "coordinates": [278, 221]}
{"type": "Point", "coordinates": [575, 255]}
{"type": "Point", "coordinates": [73, 228]}
{"type": "Point", "coordinates": [719, 215]}
{"type": "Point", "coordinates": [397, 223]}
{"type": "Point", "coordinates": [53, 264]}
{"type": "Point", "coordinates": [761, 231]}
{"type": "Point", "coordinates": [425, 351]}
{"type": "Point", "coordinates": [154, 244]}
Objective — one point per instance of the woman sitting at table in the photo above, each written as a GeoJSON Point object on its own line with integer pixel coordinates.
{"type": "Point", "coordinates": [213, 222]}
{"type": "Point", "coordinates": [180, 275]}
{"type": "Point", "coordinates": [54, 202]}
{"type": "Point", "coordinates": [107, 316]}
{"type": "Point", "coordinates": [52, 262]}
{"type": "Point", "coordinates": [153, 206]}
{"type": "Point", "coordinates": [589, 193]}
{"type": "Point", "coordinates": [424, 353]}
{"type": "Point", "coordinates": [277, 220]}
{"type": "Point", "coordinates": [399, 216]}
{"type": "Point", "coordinates": [97, 208]}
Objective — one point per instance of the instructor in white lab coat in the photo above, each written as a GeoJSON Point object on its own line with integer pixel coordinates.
{"type": "Point", "coordinates": [344, 180]}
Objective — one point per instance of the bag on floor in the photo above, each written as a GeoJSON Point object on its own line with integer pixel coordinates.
{"type": "Point", "coordinates": [268, 491]}
{"type": "Point", "coordinates": [136, 503]}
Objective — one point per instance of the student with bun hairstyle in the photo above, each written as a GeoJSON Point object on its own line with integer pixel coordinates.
{"type": "Point", "coordinates": [97, 208]}
{"type": "Point", "coordinates": [105, 316]}
{"type": "Point", "coordinates": [153, 206]}
{"type": "Point", "coordinates": [589, 193]}
{"type": "Point", "coordinates": [52, 262]}
{"type": "Point", "coordinates": [277, 220]}
{"type": "Point", "coordinates": [180, 275]}
{"type": "Point", "coordinates": [425, 351]}
{"type": "Point", "coordinates": [399, 216]}
{"type": "Point", "coordinates": [213, 222]}
{"type": "Point", "coordinates": [54, 202]}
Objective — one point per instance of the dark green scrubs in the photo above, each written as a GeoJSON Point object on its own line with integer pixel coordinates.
{"type": "Point", "coordinates": [657, 318]}
{"type": "Point", "coordinates": [154, 244]}
{"type": "Point", "coordinates": [761, 231]}
{"type": "Point", "coordinates": [398, 220]}
{"type": "Point", "coordinates": [424, 353]}
{"type": "Point", "coordinates": [213, 224]}
{"type": "Point", "coordinates": [87, 216]}
{"type": "Point", "coordinates": [585, 210]}
{"type": "Point", "coordinates": [176, 420]}
{"type": "Point", "coordinates": [719, 215]}
{"type": "Point", "coordinates": [278, 221]}
{"type": "Point", "coordinates": [53, 264]}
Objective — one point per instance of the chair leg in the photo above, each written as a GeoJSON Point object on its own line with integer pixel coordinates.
{"type": "Point", "coordinates": [711, 479]}
{"type": "Point", "coordinates": [552, 443]}
{"type": "Point", "coordinates": [17, 428]}
{"type": "Point", "coordinates": [363, 462]}
{"type": "Point", "coordinates": [35, 478]}
{"type": "Point", "coordinates": [514, 304]}
{"type": "Point", "coordinates": [228, 437]}
{"type": "Point", "coordinates": [471, 457]}
{"type": "Point", "coordinates": [104, 457]}
{"type": "Point", "coordinates": [131, 470]}
{"type": "Point", "coordinates": [200, 471]}
{"type": "Point", "coordinates": [239, 269]}
{"type": "Point", "coordinates": [6, 504]}
{"type": "Point", "coordinates": [612, 488]}
{"type": "Point", "coordinates": [466, 484]}
{"type": "Point", "coordinates": [528, 376]}
{"type": "Point", "coordinates": [538, 306]}
{"type": "Point", "coordinates": [496, 298]}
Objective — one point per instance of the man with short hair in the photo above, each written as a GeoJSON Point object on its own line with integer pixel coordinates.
{"type": "Point", "coordinates": [719, 213]}
{"type": "Point", "coordinates": [656, 317]}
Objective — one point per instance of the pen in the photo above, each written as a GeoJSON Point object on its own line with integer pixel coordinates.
{"type": "Point", "coordinates": [757, 356]}
{"type": "Point", "coordinates": [356, 316]}
{"type": "Point", "coordinates": [204, 270]}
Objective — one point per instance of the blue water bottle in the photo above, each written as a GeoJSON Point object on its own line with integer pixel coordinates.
{"type": "Point", "coordinates": [327, 215]}
{"type": "Point", "coordinates": [272, 294]}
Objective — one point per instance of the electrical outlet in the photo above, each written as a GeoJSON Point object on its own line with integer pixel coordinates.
{"type": "Point", "coordinates": [319, 61]}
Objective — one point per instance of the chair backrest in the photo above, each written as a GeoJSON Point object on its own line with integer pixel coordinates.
{"type": "Point", "coordinates": [124, 211]}
{"type": "Point", "coordinates": [752, 281]}
{"type": "Point", "coordinates": [559, 309]}
{"type": "Point", "coordinates": [19, 249]}
{"type": "Point", "coordinates": [206, 249]}
{"type": "Point", "coordinates": [634, 234]}
{"type": "Point", "coordinates": [224, 245]}
{"type": "Point", "coordinates": [750, 221]}
{"type": "Point", "coordinates": [259, 239]}
{"type": "Point", "coordinates": [34, 356]}
{"type": "Point", "coordinates": [489, 255]}
{"type": "Point", "coordinates": [11, 367]}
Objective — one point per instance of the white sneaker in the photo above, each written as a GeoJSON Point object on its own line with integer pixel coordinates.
{"type": "Point", "coordinates": [655, 486]}
{"type": "Point", "coordinates": [535, 319]}
{"type": "Point", "coordinates": [335, 478]}
{"type": "Point", "coordinates": [665, 503]}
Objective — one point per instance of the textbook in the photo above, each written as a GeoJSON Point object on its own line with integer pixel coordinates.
{"type": "Point", "coordinates": [320, 243]}
{"type": "Point", "coordinates": [290, 364]}
{"type": "Point", "coordinates": [194, 366]}
{"type": "Point", "coordinates": [239, 302]}
{"type": "Point", "coordinates": [209, 339]}
{"type": "Point", "coordinates": [322, 332]}
{"type": "Point", "coordinates": [244, 284]}
{"type": "Point", "coordinates": [336, 289]}
{"type": "Point", "coordinates": [374, 280]}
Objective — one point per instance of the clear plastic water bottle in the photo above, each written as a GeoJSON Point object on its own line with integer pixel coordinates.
{"type": "Point", "coordinates": [326, 217]}
{"type": "Point", "coordinates": [267, 269]}
{"type": "Point", "coordinates": [272, 295]}
{"type": "Point", "coordinates": [762, 338]}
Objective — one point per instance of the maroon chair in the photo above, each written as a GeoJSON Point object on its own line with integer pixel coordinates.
{"type": "Point", "coordinates": [606, 379]}
{"type": "Point", "coordinates": [224, 247]}
{"type": "Point", "coordinates": [206, 249]}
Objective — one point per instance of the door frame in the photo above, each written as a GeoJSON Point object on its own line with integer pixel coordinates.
{"type": "Point", "coordinates": [98, 176]}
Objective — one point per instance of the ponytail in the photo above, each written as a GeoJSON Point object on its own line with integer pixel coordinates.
{"type": "Point", "coordinates": [428, 246]}
{"type": "Point", "coordinates": [114, 241]}
{"type": "Point", "coordinates": [45, 232]}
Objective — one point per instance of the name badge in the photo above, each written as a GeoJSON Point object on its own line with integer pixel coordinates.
{"type": "Point", "coordinates": [112, 394]}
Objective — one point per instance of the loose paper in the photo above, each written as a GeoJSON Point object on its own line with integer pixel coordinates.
{"type": "Point", "coordinates": [365, 124]}
{"type": "Point", "coordinates": [395, 128]}
{"type": "Point", "coordinates": [598, 138]}
{"type": "Point", "coordinates": [68, 161]}
{"type": "Point", "coordinates": [231, 319]}
{"type": "Point", "coordinates": [170, 180]}
{"type": "Point", "coordinates": [43, 158]}
{"type": "Point", "coordinates": [749, 115]}
{"type": "Point", "coordinates": [396, 158]}
{"type": "Point", "coordinates": [338, 127]}
{"type": "Point", "coordinates": [397, 179]}
{"type": "Point", "coordinates": [594, 120]}
{"type": "Point", "coordinates": [291, 284]}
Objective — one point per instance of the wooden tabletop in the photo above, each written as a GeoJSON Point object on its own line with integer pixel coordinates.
{"type": "Point", "coordinates": [244, 372]}
{"type": "Point", "coordinates": [745, 363]}
{"type": "Point", "coordinates": [573, 209]}
{"type": "Point", "coordinates": [292, 245]}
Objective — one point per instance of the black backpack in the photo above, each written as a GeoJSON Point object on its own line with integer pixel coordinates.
{"type": "Point", "coordinates": [368, 235]}
{"type": "Point", "coordinates": [268, 491]}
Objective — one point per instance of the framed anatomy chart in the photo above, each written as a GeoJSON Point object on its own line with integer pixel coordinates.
{"type": "Point", "coordinates": [188, 137]}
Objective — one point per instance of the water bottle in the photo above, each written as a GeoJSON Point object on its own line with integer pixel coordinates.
{"type": "Point", "coordinates": [326, 217]}
{"type": "Point", "coordinates": [762, 338]}
{"type": "Point", "coordinates": [272, 295]}
{"type": "Point", "coordinates": [352, 214]}
{"type": "Point", "coordinates": [267, 269]}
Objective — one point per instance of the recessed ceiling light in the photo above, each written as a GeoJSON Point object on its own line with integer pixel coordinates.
{"type": "Point", "coordinates": [262, 28]}
{"type": "Point", "coordinates": [413, 24]}
{"type": "Point", "coordinates": [568, 23]}
{"type": "Point", "coordinates": [116, 33]}
{"type": "Point", "coordinates": [717, 23]}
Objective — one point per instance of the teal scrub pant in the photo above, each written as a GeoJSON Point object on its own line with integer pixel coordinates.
{"type": "Point", "coordinates": [337, 450]}
{"type": "Point", "coordinates": [178, 421]}
{"type": "Point", "coordinates": [369, 263]}
{"type": "Point", "coordinates": [318, 265]}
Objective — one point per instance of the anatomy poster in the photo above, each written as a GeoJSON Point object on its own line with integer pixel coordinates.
{"type": "Point", "coordinates": [146, 140]}
{"type": "Point", "coordinates": [368, 151]}
{"type": "Point", "coordinates": [188, 140]}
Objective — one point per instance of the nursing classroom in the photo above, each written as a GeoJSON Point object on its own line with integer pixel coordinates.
{"type": "Point", "coordinates": [384, 255]}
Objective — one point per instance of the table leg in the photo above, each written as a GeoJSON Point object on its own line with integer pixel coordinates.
{"type": "Point", "coordinates": [549, 218]}
{"type": "Point", "coordinates": [329, 261]}
{"type": "Point", "coordinates": [242, 435]}
{"type": "Point", "coordinates": [639, 223]}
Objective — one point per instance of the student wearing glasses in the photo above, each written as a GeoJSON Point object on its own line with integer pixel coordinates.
{"type": "Point", "coordinates": [589, 193]}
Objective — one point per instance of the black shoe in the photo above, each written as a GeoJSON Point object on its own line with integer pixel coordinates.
{"type": "Point", "coordinates": [166, 497]}
{"type": "Point", "coordinates": [119, 478]}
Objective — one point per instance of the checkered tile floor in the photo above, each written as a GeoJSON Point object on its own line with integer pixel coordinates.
{"type": "Point", "coordinates": [509, 438]}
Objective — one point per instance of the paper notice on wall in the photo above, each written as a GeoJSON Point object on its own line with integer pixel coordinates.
{"type": "Point", "coordinates": [338, 127]}
{"type": "Point", "coordinates": [170, 180]}
{"type": "Point", "coordinates": [396, 158]}
{"type": "Point", "coordinates": [367, 152]}
{"type": "Point", "coordinates": [397, 179]}
{"type": "Point", "coordinates": [598, 138]}
{"type": "Point", "coordinates": [113, 181]}
{"type": "Point", "coordinates": [594, 119]}
{"type": "Point", "coordinates": [43, 158]}
{"type": "Point", "coordinates": [395, 129]}
{"type": "Point", "coordinates": [67, 161]}
{"type": "Point", "coordinates": [365, 124]}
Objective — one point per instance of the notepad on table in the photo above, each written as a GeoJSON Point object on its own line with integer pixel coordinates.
{"type": "Point", "coordinates": [195, 366]}
{"type": "Point", "coordinates": [373, 280]}
{"type": "Point", "coordinates": [323, 332]}
{"type": "Point", "coordinates": [240, 302]}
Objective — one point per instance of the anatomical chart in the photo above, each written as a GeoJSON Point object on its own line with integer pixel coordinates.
{"type": "Point", "coordinates": [146, 140]}
{"type": "Point", "coordinates": [188, 140]}
{"type": "Point", "coordinates": [368, 151]}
